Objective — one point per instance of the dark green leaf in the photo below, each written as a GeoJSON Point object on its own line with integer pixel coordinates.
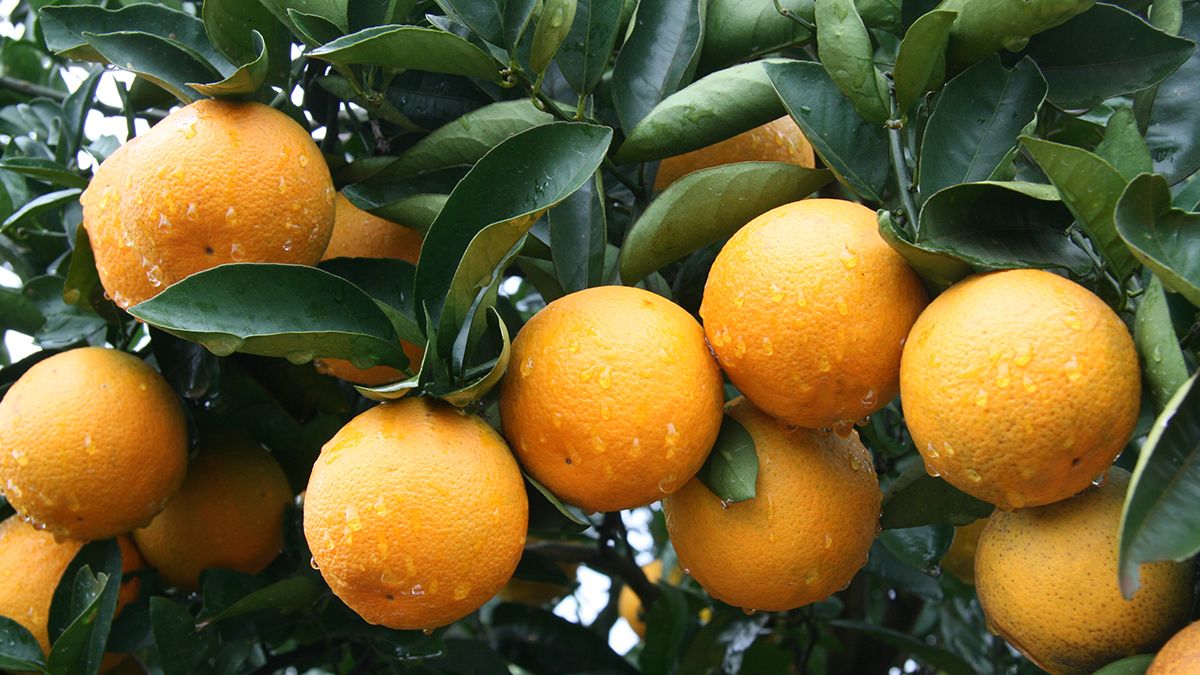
{"type": "Point", "coordinates": [287, 595]}
{"type": "Point", "coordinates": [1174, 131]}
{"type": "Point", "coordinates": [517, 14]}
{"type": "Point", "coordinates": [658, 57]}
{"type": "Point", "coordinates": [243, 83]}
{"type": "Point", "coordinates": [709, 205]}
{"type": "Point", "coordinates": [231, 25]}
{"type": "Point", "coordinates": [986, 26]}
{"type": "Point", "coordinates": [711, 109]}
{"type": "Point", "coordinates": [65, 325]}
{"type": "Point", "coordinates": [1164, 238]}
{"type": "Point", "coordinates": [848, 58]}
{"type": "Point", "coordinates": [411, 47]}
{"type": "Point", "coordinates": [18, 312]}
{"type": "Point", "coordinates": [938, 270]}
{"type": "Point", "coordinates": [470, 657]}
{"type": "Point", "coordinates": [538, 568]}
{"type": "Point", "coordinates": [584, 56]}
{"type": "Point", "coordinates": [164, 62]}
{"type": "Point", "coordinates": [183, 650]}
{"type": "Point", "coordinates": [540, 642]}
{"type": "Point", "coordinates": [548, 514]}
{"type": "Point", "coordinates": [1133, 665]}
{"type": "Point", "coordinates": [976, 121]}
{"type": "Point", "coordinates": [19, 650]}
{"type": "Point", "coordinates": [276, 310]}
{"type": "Point", "coordinates": [1162, 360]}
{"type": "Point", "coordinates": [1123, 146]}
{"type": "Point", "coordinates": [855, 150]}
{"type": "Point", "coordinates": [39, 205]}
{"type": "Point", "coordinates": [921, 60]}
{"type": "Point", "coordinates": [64, 29]}
{"type": "Point", "coordinates": [378, 107]}
{"type": "Point", "coordinates": [485, 18]}
{"type": "Point", "coordinates": [417, 212]}
{"type": "Point", "coordinates": [478, 386]}
{"type": "Point", "coordinates": [388, 281]}
{"type": "Point", "coordinates": [313, 30]}
{"type": "Point", "coordinates": [1081, 71]}
{"type": "Point", "coordinates": [740, 30]}
{"type": "Point", "coordinates": [1159, 520]}
{"type": "Point", "coordinates": [552, 30]}
{"type": "Point", "coordinates": [578, 234]}
{"type": "Point", "coordinates": [333, 12]}
{"type": "Point", "coordinates": [915, 499]}
{"type": "Point", "coordinates": [44, 169]}
{"type": "Point", "coordinates": [731, 470]}
{"type": "Point", "coordinates": [102, 556]}
{"type": "Point", "coordinates": [901, 575]}
{"type": "Point", "coordinates": [666, 627]}
{"type": "Point", "coordinates": [721, 645]}
{"type": "Point", "coordinates": [92, 602]}
{"type": "Point", "coordinates": [922, 547]}
{"type": "Point", "coordinates": [944, 661]}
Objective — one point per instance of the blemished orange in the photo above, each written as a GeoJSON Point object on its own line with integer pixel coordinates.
{"type": "Point", "coordinates": [1019, 387]}
{"type": "Point", "coordinates": [229, 513]}
{"type": "Point", "coordinates": [1047, 582]}
{"type": "Point", "coordinates": [612, 399]}
{"type": "Point", "coordinates": [94, 442]}
{"type": "Point", "coordinates": [214, 182]}
{"type": "Point", "coordinates": [778, 141]}
{"type": "Point", "coordinates": [960, 559]}
{"type": "Point", "coordinates": [416, 513]}
{"type": "Point", "coordinates": [1181, 654]}
{"type": "Point", "coordinates": [807, 308]}
{"type": "Point", "coordinates": [805, 533]}
{"type": "Point", "coordinates": [31, 565]}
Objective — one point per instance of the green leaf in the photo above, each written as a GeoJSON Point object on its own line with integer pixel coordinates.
{"type": "Point", "coordinates": [1090, 187]}
{"type": "Point", "coordinates": [741, 30]}
{"type": "Point", "coordinates": [64, 29]}
{"type": "Point", "coordinates": [848, 57]}
{"type": "Point", "coordinates": [721, 645]}
{"type": "Point", "coordinates": [477, 388]}
{"type": "Point", "coordinates": [379, 107]}
{"type": "Point", "coordinates": [390, 283]}
{"type": "Point", "coordinates": [287, 595]}
{"type": "Point", "coordinates": [276, 310]}
{"type": "Point", "coordinates": [1133, 665]}
{"type": "Point", "coordinates": [916, 499]}
{"type": "Point", "coordinates": [1159, 520]}
{"type": "Point", "coordinates": [709, 205]}
{"type": "Point", "coordinates": [417, 212]}
{"type": "Point", "coordinates": [411, 47]}
{"type": "Point", "coordinates": [666, 626]}
{"type": "Point", "coordinates": [183, 650]}
{"type": "Point", "coordinates": [731, 470]}
{"type": "Point", "coordinates": [19, 650]}
{"type": "Point", "coordinates": [18, 312]}
{"type": "Point", "coordinates": [552, 30]}
{"type": "Point", "coordinates": [976, 122]}
{"type": "Point", "coordinates": [541, 642]}
{"type": "Point", "coordinates": [1123, 146]}
{"type": "Point", "coordinates": [943, 661]}
{"type": "Point", "coordinates": [167, 63]}
{"type": "Point", "coordinates": [921, 59]}
{"type": "Point", "coordinates": [333, 12]}
{"type": "Point", "coordinates": [44, 169]}
{"type": "Point", "coordinates": [65, 325]}
{"type": "Point", "coordinates": [231, 26]}
{"type": "Point", "coordinates": [1173, 136]}
{"type": "Point", "coordinates": [900, 575]}
{"type": "Point", "coordinates": [1001, 225]}
{"type": "Point", "coordinates": [1162, 360]}
{"type": "Point", "coordinates": [854, 149]}
{"type": "Point", "coordinates": [578, 234]}
{"type": "Point", "coordinates": [485, 18]}
{"type": "Point", "coordinates": [313, 30]}
{"type": "Point", "coordinates": [939, 270]}
{"type": "Point", "coordinates": [987, 26]}
{"type": "Point", "coordinates": [711, 109]}
{"type": "Point", "coordinates": [243, 83]}
{"type": "Point", "coordinates": [39, 205]}
{"type": "Point", "coordinates": [658, 57]}
{"type": "Point", "coordinates": [1081, 71]}
{"type": "Point", "coordinates": [1165, 239]}
{"type": "Point", "coordinates": [585, 55]}
{"type": "Point", "coordinates": [922, 547]}
{"type": "Point", "coordinates": [548, 514]}
{"type": "Point", "coordinates": [88, 600]}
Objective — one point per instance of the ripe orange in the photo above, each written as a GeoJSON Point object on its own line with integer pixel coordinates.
{"type": "Point", "coordinates": [214, 182]}
{"type": "Point", "coordinates": [803, 536]}
{"type": "Point", "coordinates": [416, 513]}
{"type": "Point", "coordinates": [31, 565]}
{"type": "Point", "coordinates": [1047, 581]}
{"type": "Point", "coordinates": [960, 559]}
{"type": "Point", "coordinates": [93, 443]}
{"type": "Point", "coordinates": [1181, 654]}
{"type": "Point", "coordinates": [1020, 387]}
{"type": "Point", "coordinates": [228, 514]}
{"type": "Point", "coordinates": [612, 399]}
{"type": "Point", "coordinates": [777, 141]}
{"type": "Point", "coordinates": [807, 308]}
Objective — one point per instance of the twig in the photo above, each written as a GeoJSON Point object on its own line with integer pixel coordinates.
{"type": "Point", "coordinates": [37, 90]}
{"type": "Point", "coordinates": [895, 128]}
{"type": "Point", "coordinates": [604, 559]}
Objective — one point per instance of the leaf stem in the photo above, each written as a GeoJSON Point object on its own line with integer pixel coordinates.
{"type": "Point", "coordinates": [789, 14]}
{"type": "Point", "coordinates": [895, 129]}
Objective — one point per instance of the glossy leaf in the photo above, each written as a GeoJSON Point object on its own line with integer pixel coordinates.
{"type": "Point", "coordinates": [578, 234]}
{"type": "Point", "coordinates": [585, 54]}
{"type": "Point", "coordinates": [944, 661]}
{"type": "Point", "coordinates": [19, 650]}
{"type": "Point", "coordinates": [541, 642]}
{"type": "Point", "coordinates": [721, 644]}
{"type": "Point", "coordinates": [1081, 71]}
{"type": "Point", "coordinates": [66, 30]}
{"type": "Point", "coordinates": [548, 513]}
{"type": "Point", "coordinates": [380, 107]}
{"type": "Point", "coordinates": [731, 470]}
{"type": "Point", "coordinates": [333, 12]}
{"type": "Point", "coordinates": [921, 547]}
{"type": "Point", "coordinates": [479, 387]}
{"type": "Point", "coordinates": [921, 59]}
{"type": "Point", "coordinates": [1001, 225]}
{"type": "Point", "coordinates": [938, 270]}
{"type": "Point", "coordinates": [915, 499]}
{"type": "Point", "coordinates": [244, 82]}
{"type": "Point", "coordinates": [164, 62]}
{"type": "Point", "coordinates": [658, 56]}
{"type": "Point", "coordinates": [411, 47]}
{"type": "Point", "coordinates": [855, 150]}
{"type": "Point", "coordinates": [974, 126]}
{"type": "Point", "coordinates": [552, 29]}
{"type": "Point", "coordinates": [417, 212]}
{"type": "Point", "coordinates": [1159, 520]}
{"type": "Point", "coordinates": [286, 595]}
{"type": "Point", "coordinates": [1173, 134]}
{"type": "Point", "coordinates": [276, 310]}
{"type": "Point", "coordinates": [389, 282]}
{"type": "Point", "coordinates": [848, 58]}
{"type": "Point", "coordinates": [38, 205]}
{"type": "Point", "coordinates": [92, 601]}
{"type": "Point", "coordinates": [1163, 238]}
{"type": "Point", "coordinates": [183, 649]}
{"type": "Point", "coordinates": [44, 169]}
{"type": "Point", "coordinates": [485, 18]}
{"type": "Point", "coordinates": [231, 25]}
{"type": "Point", "coordinates": [711, 109]}
{"type": "Point", "coordinates": [987, 26]}
{"type": "Point", "coordinates": [313, 30]}
{"type": "Point", "coordinates": [1090, 187]}
{"type": "Point", "coordinates": [1123, 146]}
{"type": "Point", "coordinates": [741, 30]}
{"type": "Point", "coordinates": [65, 325]}
{"type": "Point", "coordinates": [1132, 665]}
{"type": "Point", "coordinates": [707, 206]}
{"type": "Point", "coordinates": [900, 575]}
{"type": "Point", "coordinates": [666, 626]}
{"type": "Point", "coordinates": [1163, 364]}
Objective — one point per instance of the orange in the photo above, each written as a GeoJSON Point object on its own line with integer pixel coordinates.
{"type": "Point", "coordinates": [1181, 654]}
{"type": "Point", "coordinates": [807, 308]}
{"type": "Point", "coordinates": [31, 565]}
{"type": "Point", "coordinates": [1019, 387]}
{"type": "Point", "coordinates": [416, 513]}
{"type": "Point", "coordinates": [805, 533]}
{"type": "Point", "coordinates": [1047, 582]}
{"type": "Point", "coordinates": [629, 605]}
{"type": "Point", "coordinates": [960, 559]}
{"type": "Point", "coordinates": [229, 513]}
{"type": "Point", "coordinates": [212, 183]}
{"type": "Point", "coordinates": [94, 442]}
{"type": "Point", "coordinates": [612, 398]}
{"type": "Point", "coordinates": [778, 141]}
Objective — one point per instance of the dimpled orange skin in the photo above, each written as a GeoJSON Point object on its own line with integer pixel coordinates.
{"type": "Point", "coordinates": [807, 308]}
{"type": "Point", "coordinates": [612, 398]}
{"type": "Point", "coordinates": [1020, 387]}
{"type": "Point", "coordinates": [1181, 654]}
{"type": "Point", "coordinates": [212, 183]}
{"type": "Point", "coordinates": [93, 442]}
{"type": "Point", "coordinates": [777, 141]}
{"type": "Point", "coordinates": [416, 514]}
{"type": "Point", "coordinates": [229, 513]}
{"type": "Point", "coordinates": [1047, 582]}
{"type": "Point", "coordinates": [31, 565]}
{"type": "Point", "coordinates": [803, 536]}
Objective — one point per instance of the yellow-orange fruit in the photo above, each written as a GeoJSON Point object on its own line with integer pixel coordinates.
{"type": "Point", "coordinates": [229, 513]}
{"type": "Point", "coordinates": [805, 533]}
{"type": "Point", "coordinates": [416, 513]}
{"type": "Point", "coordinates": [612, 398]}
{"type": "Point", "coordinates": [807, 308]}
{"type": "Point", "coordinates": [960, 559]}
{"type": "Point", "coordinates": [1181, 654]}
{"type": "Point", "coordinates": [94, 442]}
{"type": "Point", "coordinates": [1019, 387]}
{"type": "Point", "coordinates": [1047, 581]}
{"type": "Point", "coordinates": [214, 182]}
{"type": "Point", "coordinates": [777, 141]}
